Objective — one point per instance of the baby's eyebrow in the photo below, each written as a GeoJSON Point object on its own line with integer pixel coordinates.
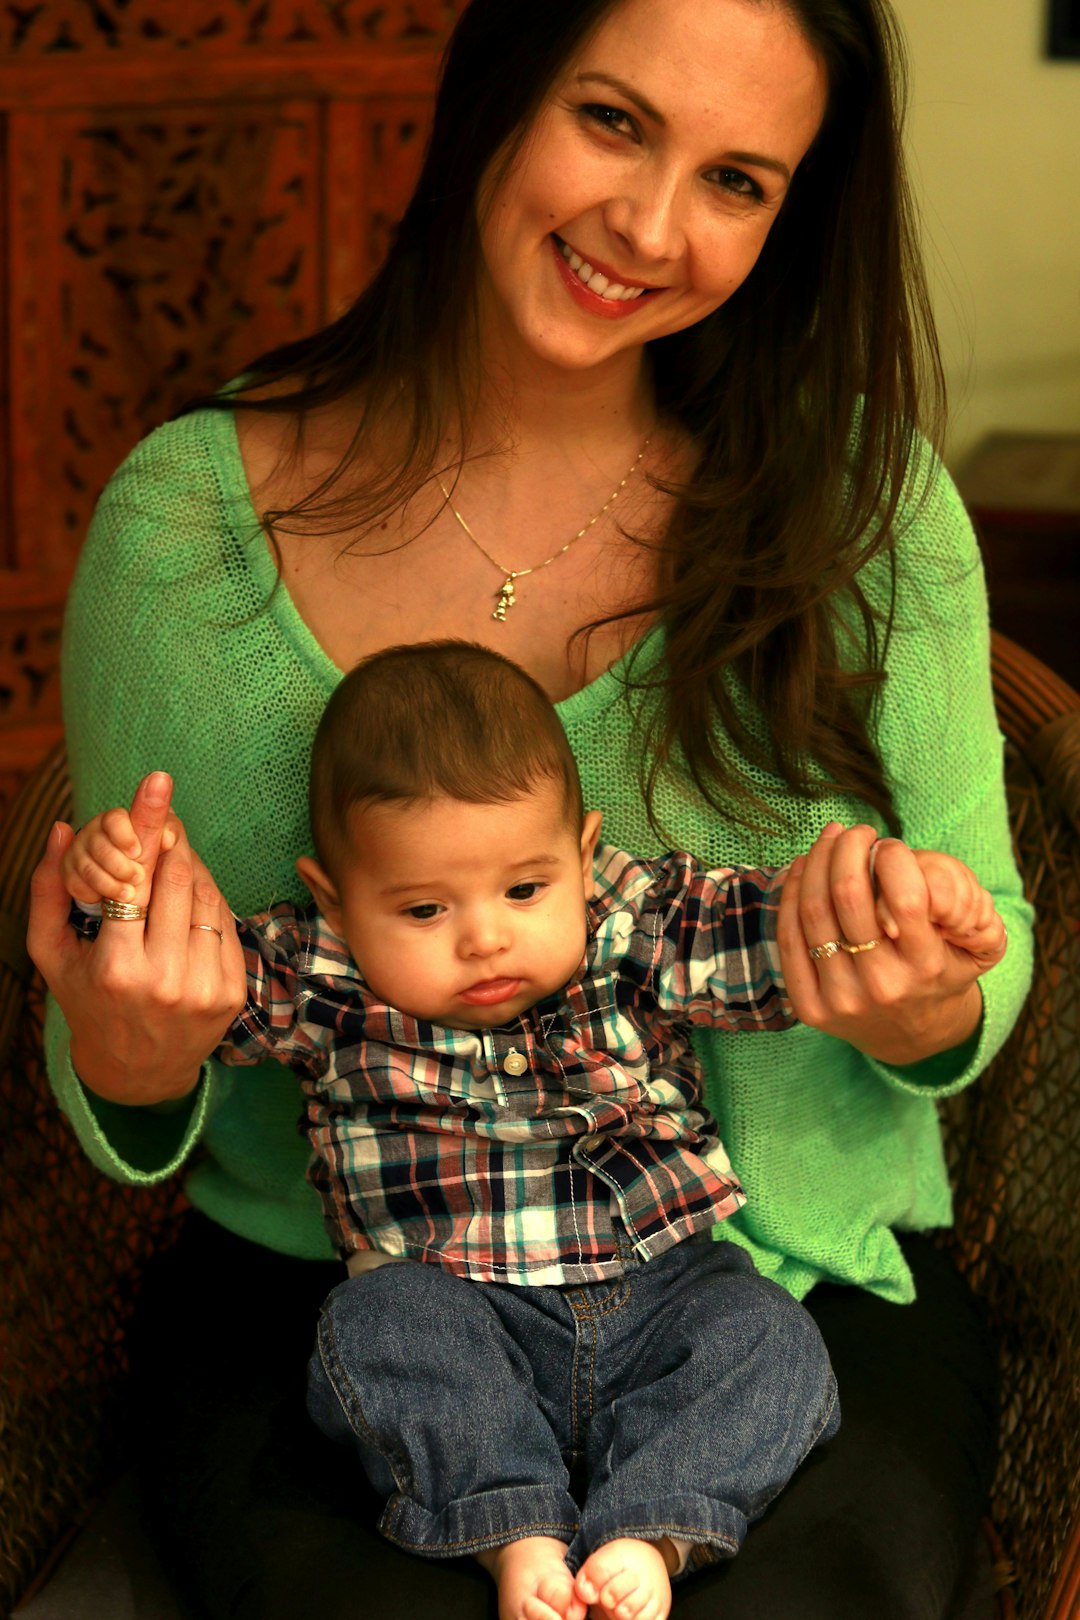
{"type": "Point", "coordinates": [426, 885]}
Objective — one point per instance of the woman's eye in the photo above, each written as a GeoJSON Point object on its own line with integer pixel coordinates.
{"type": "Point", "coordinates": [613, 119]}
{"type": "Point", "coordinates": [734, 180]}
{"type": "Point", "coordinates": [524, 891]}
{"type": "Point", "coordinates": [423, 913]}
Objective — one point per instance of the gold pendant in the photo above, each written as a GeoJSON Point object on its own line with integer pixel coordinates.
{"type": "Point", "coordinates": [506, 598]}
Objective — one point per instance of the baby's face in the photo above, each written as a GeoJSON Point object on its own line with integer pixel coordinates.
{"type": "Point", "coordinates": [467, 914]}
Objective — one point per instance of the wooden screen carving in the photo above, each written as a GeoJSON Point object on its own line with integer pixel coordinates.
{"type": "Point", "coordinates": [181, 243]}
{"type": "Point", "coordinates": [183, 184]}
{"type": "Point", "coordinates": [61, 27]}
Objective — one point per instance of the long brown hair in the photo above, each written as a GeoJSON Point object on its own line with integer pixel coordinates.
{"type": "Point", "coordinates": [804, 394]}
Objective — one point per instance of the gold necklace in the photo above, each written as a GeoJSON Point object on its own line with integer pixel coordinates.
{"type": "Point", "coordinates": [504, 596]}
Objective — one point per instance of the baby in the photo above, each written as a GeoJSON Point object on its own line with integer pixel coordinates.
{"type": "Point", "coordinates": [490, 1014]}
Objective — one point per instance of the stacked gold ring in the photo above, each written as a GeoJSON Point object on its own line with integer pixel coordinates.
{"type": "Point", "coordinates": [123, 911]}
{"type": "Point", "coordinates": [829, 948]}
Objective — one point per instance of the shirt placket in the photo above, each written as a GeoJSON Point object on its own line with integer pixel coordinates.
{"type": "Point", "coordinates": [508, 1054]}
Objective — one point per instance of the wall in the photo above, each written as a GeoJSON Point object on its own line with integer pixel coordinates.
{"type": "Point", "coordinates": [994, 140]}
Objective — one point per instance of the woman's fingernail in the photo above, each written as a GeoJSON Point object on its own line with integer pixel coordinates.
{"type": "Point", "coordinates": [156, 787]}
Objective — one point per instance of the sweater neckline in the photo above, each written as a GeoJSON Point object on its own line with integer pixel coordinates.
{"type": "Point", "coordinates": [596, 695]}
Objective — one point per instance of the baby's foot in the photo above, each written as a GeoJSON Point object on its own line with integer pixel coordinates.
{"type": "Point", "coordinates": [533, 1580]}
{"type": "Point", "coordinates": [627, 1580]}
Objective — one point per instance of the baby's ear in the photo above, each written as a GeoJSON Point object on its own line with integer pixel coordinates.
{"type": "Point", "coordinates": [590, 832]}
{"type": "Point", "coordinates": [323, 891]}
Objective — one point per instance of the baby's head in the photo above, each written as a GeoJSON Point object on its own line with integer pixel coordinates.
{"type": "Point", "coordinates": [454, 856]}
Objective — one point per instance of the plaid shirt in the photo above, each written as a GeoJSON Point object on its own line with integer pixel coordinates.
{"type": "Point", "coordinates": [504, 1154]}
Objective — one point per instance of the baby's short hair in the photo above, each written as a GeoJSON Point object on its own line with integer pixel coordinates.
{"type": "Point", "coordinates": [436, 719]}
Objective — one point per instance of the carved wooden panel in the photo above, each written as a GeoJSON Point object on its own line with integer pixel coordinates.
{"type": "Point", "coordinates": [183, 184]}
{"type": "Point", "coordinates": [29, 677]}
{"type": "Point", "coordinates": [374, 150]}
{"type": "Point", "coordinates": [154, 252]}
{"type": "Point", "coordinates": [111, 27]}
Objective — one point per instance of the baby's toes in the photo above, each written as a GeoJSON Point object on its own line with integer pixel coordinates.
{"type": "Point", "coordinates": [554, 1598]}
{"type": "Point", "coordinates": [607, 1586]}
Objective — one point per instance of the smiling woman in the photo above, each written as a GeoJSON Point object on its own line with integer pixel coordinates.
{"type": "Point", "coordinates": [666, 188]}
{"type": "Point", "coordinates": [674, 237]}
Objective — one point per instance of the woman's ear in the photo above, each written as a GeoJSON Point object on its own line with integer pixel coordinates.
{"type": "Point", "coordinates": [590, 832]}
{"type": "Point", "coordinates": [323, 891]}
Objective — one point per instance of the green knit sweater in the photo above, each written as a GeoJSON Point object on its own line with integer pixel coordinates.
{"type": "Point", "coordinates": [217, 680]}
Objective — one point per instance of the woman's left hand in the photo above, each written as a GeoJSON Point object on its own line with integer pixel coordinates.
{"type": "Point", "coordinates": [898, 1000]}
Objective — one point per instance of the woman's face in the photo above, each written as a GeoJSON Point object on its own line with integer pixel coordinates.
{"type": "Point", "coordinates": [659, 162]}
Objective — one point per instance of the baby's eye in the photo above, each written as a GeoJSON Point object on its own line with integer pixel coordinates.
{"type": "Point", "coordinates": [524, 891]}
{"type": "Point", "coordinates": [423, 913]}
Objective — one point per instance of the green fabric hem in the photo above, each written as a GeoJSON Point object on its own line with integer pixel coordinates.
{"type": "Point", "coordinates": [133, 1145]}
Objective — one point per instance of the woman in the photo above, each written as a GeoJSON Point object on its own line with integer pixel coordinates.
{"type": "Point", "coordinates": [634, 401]}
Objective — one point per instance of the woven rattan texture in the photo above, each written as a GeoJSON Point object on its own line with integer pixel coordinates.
{"type": "Point", "coordinates": [1014, 1149]}
{"type": "Point", "coordinates": [72, 1245]}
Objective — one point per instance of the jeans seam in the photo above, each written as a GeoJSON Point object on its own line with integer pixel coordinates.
{"type": "Point", "coordinates": [354, 1411]}
{"type": "Point", "coordinates": [494, 1538]}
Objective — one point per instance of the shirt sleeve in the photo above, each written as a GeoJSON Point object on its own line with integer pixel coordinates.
{"type": "Point", "coordinates": [272, 1025]}
{"type": "Point", "coordinates": [718, 961]}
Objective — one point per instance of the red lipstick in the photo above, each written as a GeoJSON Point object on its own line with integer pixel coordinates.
{"type": "Point", "coordinates": [607, 308]}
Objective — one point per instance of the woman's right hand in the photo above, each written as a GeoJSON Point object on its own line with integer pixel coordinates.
{"type": "Point", "coordinates": [148, 1001]}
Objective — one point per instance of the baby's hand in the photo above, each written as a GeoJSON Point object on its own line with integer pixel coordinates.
{"type": "Point", "coordinates": [102, 860]}
{"type": "Point", "coordinates": [959, 906]}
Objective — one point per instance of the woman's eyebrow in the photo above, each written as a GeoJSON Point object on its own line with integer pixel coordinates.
{"type": "Point", "coordinates": [754, 159]}
{"type": "Point", "coordinates": [626, 90]}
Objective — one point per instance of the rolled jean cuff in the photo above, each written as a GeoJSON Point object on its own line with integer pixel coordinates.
{"type": "Point", "coordinates": [715, 1529]}
{"type": "Point", "coordinates": [472, 1524]}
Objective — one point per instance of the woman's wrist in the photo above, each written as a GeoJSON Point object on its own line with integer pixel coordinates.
{"type": "Point", "coordinates": [162, 1091]}
{"type": "Point", "coordinates": [954, 1023]}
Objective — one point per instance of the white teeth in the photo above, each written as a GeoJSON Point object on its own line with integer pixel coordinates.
{"type": "Point", "coordinates": [613, 291]}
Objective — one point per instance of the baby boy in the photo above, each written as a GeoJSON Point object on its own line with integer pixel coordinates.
{"type": "Point", "coordinates": [490, 1014]}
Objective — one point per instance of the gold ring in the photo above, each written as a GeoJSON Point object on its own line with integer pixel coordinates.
{"type": "Point", "coordinates": [857, 950]}
{"type": "Point", "coordinates": [822, 953]}
{"type": "Point", "coordinates": [123, 911]}
{"type": "Point", "coordinates": [209, 928]}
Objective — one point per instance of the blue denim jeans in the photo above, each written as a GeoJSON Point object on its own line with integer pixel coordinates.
{"type": "Point", "coordinates": [690, 1389]}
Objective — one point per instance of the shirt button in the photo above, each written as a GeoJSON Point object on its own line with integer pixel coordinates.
{"type": "Point", "coordinates": [514, 1062]}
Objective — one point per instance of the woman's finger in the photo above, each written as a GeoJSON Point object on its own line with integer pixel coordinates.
{"type": "Point", "coordinates": [149, 815]}
{"type": "Point", "coordinates": [800, 975]}
{"type": "Point", "coordinates": [817, 914]}
{"type": "Point", "coordinates": [852, 889]}
{"type": "Point", "coordinates": [50, 939]}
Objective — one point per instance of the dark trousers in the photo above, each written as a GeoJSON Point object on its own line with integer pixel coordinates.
{"type": "Point", "coordinates": [260, 1517]}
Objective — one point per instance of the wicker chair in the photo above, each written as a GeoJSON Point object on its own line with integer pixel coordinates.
{"type": "Point", "coordinates": [1014, 1143]}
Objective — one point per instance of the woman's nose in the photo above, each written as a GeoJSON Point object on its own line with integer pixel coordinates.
{"type": "Point", "coordinates": [649, 216]}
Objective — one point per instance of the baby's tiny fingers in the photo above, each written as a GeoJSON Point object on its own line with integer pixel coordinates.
{"type": "Point", "coordinates": [105, 855]}
{"type": "Point", "coordinates": [117, 827]}
{"type": "Point", "coordinates": [98, 883]}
